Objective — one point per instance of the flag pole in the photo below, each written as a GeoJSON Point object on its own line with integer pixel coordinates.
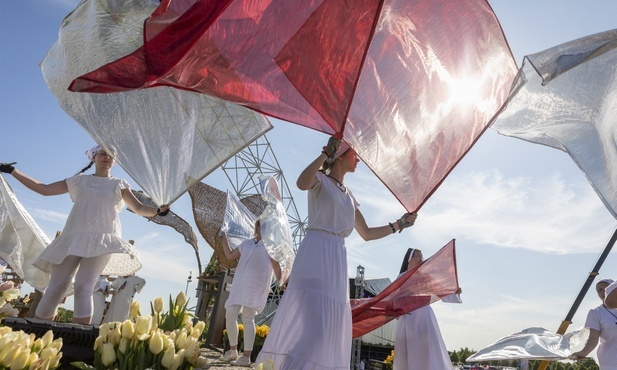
{"type": "Point", "coordinates": [592, 275]}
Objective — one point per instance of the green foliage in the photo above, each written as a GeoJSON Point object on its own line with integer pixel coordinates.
{"type": "Point", "coordinates": [64, 315]}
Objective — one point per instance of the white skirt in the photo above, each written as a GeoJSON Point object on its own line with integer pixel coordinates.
{"type": "Point", "coordinates": [311, 329]}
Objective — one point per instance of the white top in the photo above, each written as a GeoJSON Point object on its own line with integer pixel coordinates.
{"type": "Point", "coordinates": [602, 320]}
{"type": "Point", "coordinates": [251, 283]}
{"type": "Point", "coordinates": [93, 227]}
{"type": "Point", "coordinates": [329, 207]}
{"type": "Point", "coordinates": [121, 301]}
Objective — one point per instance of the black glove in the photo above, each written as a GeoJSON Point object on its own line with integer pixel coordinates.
{"type": "Point", "coordinates": [163, 213]}
{"type": "Point", "coordinates": [405, 221]}
{"type": "Point", "coordinates": [7, 167]}
{"type": "Point", "coordinates": [333, 145]}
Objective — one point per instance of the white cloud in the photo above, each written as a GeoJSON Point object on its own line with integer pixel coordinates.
{"type": "Point", "coordinates": [49, 215]}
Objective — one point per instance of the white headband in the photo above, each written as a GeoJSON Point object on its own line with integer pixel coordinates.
{"type": "Point", "coordinates": [608, 281]}
{"type": "Point", "coordinates": [92, 152]}
{"type": "Point", "coordinates": [411, 254]}
{"type": "Point", "coordinates": [610, 288]}
{"type": "Point", "coordinates": [342, 149]}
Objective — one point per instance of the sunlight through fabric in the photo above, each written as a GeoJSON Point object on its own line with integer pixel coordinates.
{"type": "Point", "coordinates": [378, 73]}
{"type": "Point", "coordinates": [167, 139]}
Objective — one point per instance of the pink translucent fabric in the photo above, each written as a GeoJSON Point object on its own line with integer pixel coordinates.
{"type": "Point", "coordinates": [431, 281]}
{"type": "Point", "coordinates": [409, 84]}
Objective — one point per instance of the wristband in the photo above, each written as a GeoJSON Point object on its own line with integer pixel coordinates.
{"type": "Point", "coordinates": [392, 227]}
{"type": "Point", "coordinates": [324, 152]}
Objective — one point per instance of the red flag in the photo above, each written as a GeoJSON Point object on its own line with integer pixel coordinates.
{"type": "Point", "coordinates": [409, 84]}
{"type": "Point", "coordinates": [429, 282]}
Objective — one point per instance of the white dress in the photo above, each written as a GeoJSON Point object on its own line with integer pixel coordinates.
{"type": "Point", "coordinates": [604, 320]}
{"type": "Point", "coordinates": [312, 325]}
{"type": "Point", "coordinates": [418, 343]}
{"type": "Point", "coordinates": [101, 289]}
{"type": "Point", "coordinates": [93, 227]}
{"type": "Point", "coordinates": [251, 283]}
{"type": "Point", "coordinates": [121, 301]}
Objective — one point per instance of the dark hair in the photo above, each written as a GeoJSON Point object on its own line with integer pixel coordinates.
{"type": "Point", "coordinates": [85, 168]}
{"type": "Point", "coordinates": [406, 261]}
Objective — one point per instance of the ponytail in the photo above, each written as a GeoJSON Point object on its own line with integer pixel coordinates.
{"type": "Point", "coordinates": [85, 168]}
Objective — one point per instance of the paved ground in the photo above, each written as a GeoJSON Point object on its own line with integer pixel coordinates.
{"type": "Point", "coordinates": [215, 364]}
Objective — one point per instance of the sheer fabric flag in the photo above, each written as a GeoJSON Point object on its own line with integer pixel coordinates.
{"type": "Point", "coordinates": [174, 221]}
{"type": "Point", "coordinates": [566, 98]}
{"type": "Point", "coordinates": [275, 229]}
{"type": "Point", "coordinates": [167, 139]}
{"type": "Point", "coordinates": [429, 282]}
{"type": "Point", "coordinates": [209, 206]}
{"type": "Point", "coordinates": [534, 344]}
{"type": "Point", "coordinates": [409, 85]}
{"type": "Point", "coordinates": [21, 240]}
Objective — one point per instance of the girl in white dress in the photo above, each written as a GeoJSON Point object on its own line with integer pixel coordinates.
{"type": "Point", "coordinates": [249, 293]}
{"type": "Point", "coordinates": [312, 326]}
{"type": "Point", "coordinates": [602, 324]}
{"type": "Point", "coordinates": [418, 344]}
{"type": "Point", "coordinates": [90, 244]}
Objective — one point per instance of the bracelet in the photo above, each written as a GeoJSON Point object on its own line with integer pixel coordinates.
{"type": "Point", "coordinates": [392, 227]}
{"type": "Point", "coordinates": [324, 152]}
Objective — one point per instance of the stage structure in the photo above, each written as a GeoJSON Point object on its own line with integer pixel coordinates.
{"type": "Point", "coordinates": [356, 346]}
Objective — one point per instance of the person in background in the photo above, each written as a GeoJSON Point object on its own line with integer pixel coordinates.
{"type": "Point", "coordinates": [90, 244]}
{"type": "Point", "coordinates": [418, 343]}
{"type": "Point", "coordinates": [99, 299]}
{"type": "Point", "coordinates": [124, 288]}
{"type": "Point", "coordinates": [312, 327]}
{"type": "Point", "coordinates": [249, 293]}
{"type": "Point", "coordinates": [602, 324]}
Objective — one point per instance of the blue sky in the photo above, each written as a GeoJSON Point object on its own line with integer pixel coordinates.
{"type": "Point", "coordinates": [528, 225]}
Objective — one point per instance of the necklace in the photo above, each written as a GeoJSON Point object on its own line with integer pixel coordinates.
{"type": "Point", "coordinates": [340, 185]}
{"type": "Point", "coordinates": [612, 314]}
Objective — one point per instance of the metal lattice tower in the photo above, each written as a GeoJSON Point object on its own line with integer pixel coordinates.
{"type": "Point", "coordinates": [243, 171]}
{"type": "Point", "coordinates": [356, 347]}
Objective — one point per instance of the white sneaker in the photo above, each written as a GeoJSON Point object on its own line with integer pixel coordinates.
{"type": "Point", "coordinates": [230, 355]}
{"type": "Point", "coordinates": [242, 361]}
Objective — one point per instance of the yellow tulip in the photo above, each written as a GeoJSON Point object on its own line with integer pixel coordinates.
{"type": "Point", "coordinates": [168, 342]}
{"type": "Point", "coordinates": [48, 352]}
{"type": "Point", "coordinates": [156, 343]}
{"type": "Point", "coordinates": [128, 329]}
{"type": "Point", "coordinates": [57, 344]}
{"type": "Point", "coordinates": [144, 323]}
{"type": "Point", "coordinates": [192, 353]}
{"type": "Point", "coordinates": [104, 330]}
{"type": "Point", "coordinates": [41, 364]}
{"type": "Point", "coordinates": [10, 294]}
{"type": "Point", "coordinates": [267, 365]}
{"type": "Point", "coordinates": [33, 357]}
{"type": "Point", "coordinates": [178, 360]}
{"type": "Point", "coordinates": [198, 329]}
{"type": "Point", "coordinates": [98, 342]}
{"type": "Point", "coordinates": [20, 360]}
{"type": "Point", "coordinates": [201, 362]}
{"type": "Point", "coordinates": [181, 299]}
{"type": "Point", "coordinates": [158, 304]}
{"type": "Point", "coordinates": [181, 340]}
{"type": "Point", "coordinates": [124, 345]}
{"type": "Point", "coordinates": [47, 338]}
{"type": "Point", "coordinates": [108, 354]}
{"type": "Point", "coordinates": [135, 308]}
{"type": "Point", "coordinates": [8, 354]}
{"type": "Point", "coordinates": [115, 336]}
{"type": "Point", "coordinates": [55, 361]}
{"type": "Point", "coordinates": [168, 357]}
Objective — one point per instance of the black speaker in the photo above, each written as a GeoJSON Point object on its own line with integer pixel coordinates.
{"type": "Point", "coordinates": [77, 339]}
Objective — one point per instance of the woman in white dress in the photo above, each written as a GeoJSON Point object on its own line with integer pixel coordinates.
{"type": "Point", "coordinates": [312, 326]}
{"type": "Point", "coordinates": [602, 324]}
{"type": "Point", "coordinates": [249, 293]}
{"type": "Point", "coordinates": [90, 244]}
{"type": "Point", "coordinates": [418, 344]}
